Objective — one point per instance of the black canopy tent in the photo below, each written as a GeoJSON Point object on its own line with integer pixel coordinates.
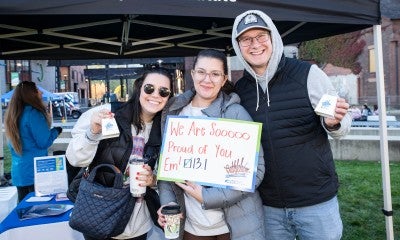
{"type": "Point", "coordinates": [95, 29]}
{"type": "Point", "coordinates": [102, 29]}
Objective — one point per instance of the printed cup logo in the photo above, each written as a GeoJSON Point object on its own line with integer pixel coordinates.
{"type": "Point", "coordinates": [138, 146]}
{"type": "Point", "coordinates": [172, 216]}
{"type": "Point", "coordinates": [109, 126]}
{"type": "Point", "coordinates": [326, 106]}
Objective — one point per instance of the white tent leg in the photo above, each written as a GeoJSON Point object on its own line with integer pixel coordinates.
{"type": "Point", "coordinates": [380, 86]}
{"type": "Point", "coordinates": [2, 178]}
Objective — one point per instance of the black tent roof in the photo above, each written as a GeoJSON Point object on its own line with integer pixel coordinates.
{"type": "Point", "coordinates": [101, 29]}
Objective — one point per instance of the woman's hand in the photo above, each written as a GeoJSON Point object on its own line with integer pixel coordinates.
{"type": "Point", "coordinates": [161, 217]}
{"type": "Point", "coordinates": [146, 176]}
{"type": "Point", "coordinates": [97, 117]}
{"type": "Point", "coordinates": [192, 189]}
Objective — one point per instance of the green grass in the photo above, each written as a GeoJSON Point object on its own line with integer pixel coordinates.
{"type": "Point", "coordinates": [7, 159]}
{"type": "Point", "coordinates": [360, 198]}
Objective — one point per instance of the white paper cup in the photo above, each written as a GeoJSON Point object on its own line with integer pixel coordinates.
{"type": "Point", "coordinates": [172, 215]}
{"type": "Point", "coordinates": [326, 106]}
{"type": "Point", "coordinates": [135, 166]}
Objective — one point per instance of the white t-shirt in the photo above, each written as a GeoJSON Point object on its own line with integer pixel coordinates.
{"type": "Point", "coordinates": [140, 221]}
{"type": "Point", "coordinates": [198, 221]}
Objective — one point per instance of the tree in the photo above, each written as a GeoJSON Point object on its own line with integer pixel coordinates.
{"type": "Point", "coordinates": [340, 50]}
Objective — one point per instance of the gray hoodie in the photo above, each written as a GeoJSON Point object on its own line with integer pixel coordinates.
{"type": "Point", "coordinates": [318, 83]}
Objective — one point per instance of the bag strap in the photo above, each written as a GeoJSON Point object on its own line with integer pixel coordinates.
{"type": "Point", "coordinates": [118, 182]}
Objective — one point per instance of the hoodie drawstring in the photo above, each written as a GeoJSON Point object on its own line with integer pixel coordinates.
{"type": "Point", "coordinates": [258, 95]}
{"type": "Point", "coordinates": [258, 91]}
{"type": "Point", "coordinates": [267, 82]}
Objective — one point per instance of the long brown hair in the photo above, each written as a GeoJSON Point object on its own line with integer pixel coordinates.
{"type": "Point", "coordinates": [26, 93]}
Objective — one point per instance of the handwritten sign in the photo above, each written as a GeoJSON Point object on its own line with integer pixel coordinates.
{"type": "Point", "coordinates": [210, 151]}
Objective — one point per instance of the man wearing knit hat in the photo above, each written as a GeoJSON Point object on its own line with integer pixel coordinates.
{"type": "Point", "coordinates": [300, 186]}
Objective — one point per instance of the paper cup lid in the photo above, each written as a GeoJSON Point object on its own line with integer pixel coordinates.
{"type": "Point", "coordinates": [138, 160]}
{"type": "Point", "coordinates": [171, 209]}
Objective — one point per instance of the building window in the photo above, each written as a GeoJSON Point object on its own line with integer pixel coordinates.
{"type": "Point", "coordinates": [17, 71]}
{"type": "Point", "coordinates": [372, 68]}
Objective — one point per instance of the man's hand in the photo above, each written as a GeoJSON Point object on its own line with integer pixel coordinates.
{"type": "Point", "coordinates": [340, 111]}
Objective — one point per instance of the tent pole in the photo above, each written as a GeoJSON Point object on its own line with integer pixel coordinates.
{"type": "Point", "coordinates": [229, 62]}
{"type": "Point", "coordinates": [3, 180]}
{"type": "Point", "coordinates": [1, 149]}
{"type": "Point", "coordinates": [380, 86]}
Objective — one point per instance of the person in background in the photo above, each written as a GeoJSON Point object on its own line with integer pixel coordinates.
{"type": "Point", "coordinates": [355, 113]}
{"type": "Point", "coordinates": [375, 111]}
{"type": "Point", "coordinates": [27, 127]}
{"type": "Point", "coordinates": [365, 112]}
{"type": "Point", "coordinates": [212, 213]}
{"type": "Point", "coordinates": [137, 118]}
{"type": "Point", "coordinates": [300, 186]}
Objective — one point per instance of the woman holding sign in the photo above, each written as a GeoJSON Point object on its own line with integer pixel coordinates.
{"type": "Point", "coordinates": [138, 122]}
{"type": "Point", "coordinates": [210, 212]}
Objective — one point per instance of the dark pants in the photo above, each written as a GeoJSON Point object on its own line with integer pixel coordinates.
{"type": "Point", "coordinates": [188, 236]}
{"type": "Point", "coordinates": [23, 191]}
{"type": "Point", "coordinates": [143, 237]}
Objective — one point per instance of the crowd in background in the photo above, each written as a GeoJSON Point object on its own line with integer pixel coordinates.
{"type": "Point", "coordinates": [358, 114]}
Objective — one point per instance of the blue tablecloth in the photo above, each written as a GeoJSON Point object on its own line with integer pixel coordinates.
{"type": "Point", "coordinates": [12, 220]}
{"type": "Point", "coordinates": [44, 231]}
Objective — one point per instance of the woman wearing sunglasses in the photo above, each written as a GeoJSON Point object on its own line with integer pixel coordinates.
{"type": "Point", "coordinates": [138, 120]}
{"type": "Point", "coordinates": [212, 213]}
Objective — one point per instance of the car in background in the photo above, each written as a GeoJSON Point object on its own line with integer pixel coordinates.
{"type": "Point", "coordinates": [68, 104]}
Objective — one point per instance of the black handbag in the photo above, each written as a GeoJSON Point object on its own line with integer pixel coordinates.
{"type": "Point", "coordinates": [73, 186]}
{"type": "Point", "coordinates": [102, 211]}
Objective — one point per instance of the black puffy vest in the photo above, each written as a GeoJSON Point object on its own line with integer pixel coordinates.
{"type": "Point", "coordinates": [299, 166]}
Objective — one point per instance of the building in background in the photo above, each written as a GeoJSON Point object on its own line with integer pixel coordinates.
{"type": "Point", "coordinates": [37, 71]}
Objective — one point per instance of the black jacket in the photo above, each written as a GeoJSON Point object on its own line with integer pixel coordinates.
{"type": "Point", "coordinates": [117, 151]}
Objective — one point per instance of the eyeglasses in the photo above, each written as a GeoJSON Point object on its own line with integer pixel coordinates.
{"type": "Point", "coordinates": [200, 74]}
{"type": "Point", "coordinates": [163, 91]}
{"type": "Point", "coordinates": [247, 41]}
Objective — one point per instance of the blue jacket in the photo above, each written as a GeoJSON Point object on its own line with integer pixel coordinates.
{"type": "Point", "coordinates": [36, 138]}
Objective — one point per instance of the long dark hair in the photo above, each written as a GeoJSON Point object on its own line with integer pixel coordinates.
{"type": "Point", "coordinates": [26, 93]}
{"type": "Point", "coordinates": [213, 53]}
{"type": "Point", "coordinates": [137, 86]}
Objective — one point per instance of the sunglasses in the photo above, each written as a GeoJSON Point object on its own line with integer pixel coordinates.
{"type": "Point", "coordinates": [163, 91]}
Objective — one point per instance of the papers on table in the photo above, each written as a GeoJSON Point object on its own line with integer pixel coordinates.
{"type": "Point", "coordinates": [42, 210]}
{"type": "Point", "coordinates": [39, 199]}
{"type": "Point", "coordinates": [50, 175]}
